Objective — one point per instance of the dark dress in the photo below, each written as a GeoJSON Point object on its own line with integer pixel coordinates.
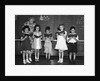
{"type": "Point", "coordinates": [26, 45]}
{"type": "Point", "coordinates": [72, 47]}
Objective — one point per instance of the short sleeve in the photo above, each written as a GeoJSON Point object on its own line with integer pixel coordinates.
{"type": "Point", "coordinates": [65, 33]}
{"type": "Point", "coordinates": [77, 37]}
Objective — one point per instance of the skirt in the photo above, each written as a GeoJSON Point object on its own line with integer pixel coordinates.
{"type": "Point", "coordinates": [26, 44]}
{"type": "Point", "coordinates": [37, 43]}
{"type": "Point", "coordinates": [48, 47]}
{"type": "Point", "coordinates": [61, 43]}
{"type": "Point", "coordinates": [72, 47]}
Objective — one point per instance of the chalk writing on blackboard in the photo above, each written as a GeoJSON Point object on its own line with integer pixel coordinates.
{"type": "Point", "coordinates": [80, 22]}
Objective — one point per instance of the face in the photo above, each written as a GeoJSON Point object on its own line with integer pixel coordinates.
{"type": "Point", "coordinates": [31, 20]}
{"type": "Point", "coordinates": [73, 30]}
{"type": "Point", "coordinates": [26, 30]}
{"type": "Point", "coordinates": [61, 27]}
{"type": "Point", "coordinates": [37, 28]}
{"type": "Point", "coordinates": [47, 31]}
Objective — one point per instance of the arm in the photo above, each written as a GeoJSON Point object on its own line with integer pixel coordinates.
{"type": "Point", "coordinates": [68, 38]}
{"type": "Point", "coordinates": [33, 36]}
{"type": "Point", "coordinates": [41, 36]}
{"type": "Point", "coordinates": [76, 38]}
{"type": "Point", "coordinates": [30, 39]}
{"type": "Point", "coordinates": [23, 38]}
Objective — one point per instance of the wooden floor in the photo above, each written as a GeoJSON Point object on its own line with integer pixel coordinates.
{"type": "Point", "coordinates": [53, 60]}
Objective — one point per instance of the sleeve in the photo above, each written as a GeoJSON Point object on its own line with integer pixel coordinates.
{"type": "Point", "coordinates": [41, 34]}
{"type": "Point", "coordinates": [67, 37]}
{"type": "Point", "coordinates": [65, 34]}
{"type": "Point", "coordinates": [77, 37]}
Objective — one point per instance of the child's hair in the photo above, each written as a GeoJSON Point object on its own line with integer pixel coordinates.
{"type": "Point", "coordinates": [37, 25]}
{"type": "Point", "coordinates": [72, 27]}
{"type": "Point", "coordinates": [61, 25]}
{"type": "Point", "coordinates": [26, 26]}
{"type": "Point", "coordinates": [47, 28]}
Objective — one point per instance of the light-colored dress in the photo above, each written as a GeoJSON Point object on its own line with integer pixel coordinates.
{"type": "Point", "coordinates": [48, 43]}
{"type": "Point", "coordinates": [61, 41]}
{"type": "Point", "coordinates": [37, 40]}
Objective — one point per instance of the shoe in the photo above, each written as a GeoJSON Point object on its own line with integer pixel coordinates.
{"type": "Point", "coordinates": [28, 61]}
{"type": "Point", "coordinates": [24, 62]}
{"type": "Point", "coordinates": [59, 61]}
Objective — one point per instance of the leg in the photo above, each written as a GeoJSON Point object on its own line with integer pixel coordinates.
{"type": "Point", "coordinates": [62, 56]}
{"type": "Point", "coordinates": [70, 55]}
{"type": "Point", "coordinates": [74, 54]}
{"type": "Point", "coordinates": [46, 55]}
{"type": "Point", "coordinates": [35, 54]}
{"type": "Point", "coordinates": [24, 57]}
{"type": "Point", "coordinates": [27, 56]}
{"type": "Point", "coordinates": [49, 55]}
{"type": "Point", "coordinates": [59, 56]}
{"type": "Point", "coordinates": [30, 53]}
{"type": "Point", "coordinates": [38, 54]}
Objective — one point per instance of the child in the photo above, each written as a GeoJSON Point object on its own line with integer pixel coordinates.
{"type": "Point", "coordinates": [48, 45]}
{"type": "Point", "coordinates": [72, 43]}
{"type": "Point", "coordinates": [37, 35]}
{"type": "Point", "coordinates": [61, 42]}
{"type": "Point", "coordinates": [26, 45]}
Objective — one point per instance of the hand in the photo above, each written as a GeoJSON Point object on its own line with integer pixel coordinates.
{"type": "Point", "coordinates": [22, 39]}
{"type": "Point", "coordinates": [75, 38]}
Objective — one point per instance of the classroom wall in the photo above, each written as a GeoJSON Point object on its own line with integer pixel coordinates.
{"type": "Point", "coordinates": [55, 20]}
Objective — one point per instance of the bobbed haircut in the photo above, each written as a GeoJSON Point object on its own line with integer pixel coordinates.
{"type": "Point", "coordinates": [47, 28]}
{"type": "Point", "coordinates": [59, 27]}
{"type": "Point", "coordinates": [26, 26]}
{"type": "Point", "coordinates": [72, 27]}
{"type": "Point", "coordinates": [37, 25]}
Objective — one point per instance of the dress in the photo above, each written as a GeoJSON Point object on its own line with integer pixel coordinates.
{"type": "Point", "coordinates": [61, 42]}
{"type": "Point", "coordinates": [37, 42]}
{"type": "Point", "coordinates": [26, 45]}
{"type": "Point", "coordinates": [48, 43]}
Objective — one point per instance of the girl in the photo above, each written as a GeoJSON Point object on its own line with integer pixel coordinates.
{"type": "Point", "coordinates": [37, 35]}
{"type": "Point", "coordinates": [61, 42]}
{"type": "Point", "coordinates": [48, 45]}
{"type": "Point", "coordinates": [26, 45]}
{"type": "Point", "coordinates": [72, 43]}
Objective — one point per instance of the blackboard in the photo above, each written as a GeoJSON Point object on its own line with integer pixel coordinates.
{"type": "Point", "coordinates": [53, 21]}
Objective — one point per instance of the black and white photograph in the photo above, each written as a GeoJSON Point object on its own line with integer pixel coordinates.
{"type": "Point", "coordinates": [49, 40]}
